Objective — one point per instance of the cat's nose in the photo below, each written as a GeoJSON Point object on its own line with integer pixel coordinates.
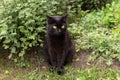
{"type": "Point", "coordinates": [59, 30]}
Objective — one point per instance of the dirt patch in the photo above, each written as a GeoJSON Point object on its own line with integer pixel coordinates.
{"type": "Point", "coordinates": [36, 60]}
{"type": "Point", "coordinates": [81, 59]}
{"type": "Point", "coordinates": [2, 76]}
{"type": "Point", "coordinates": [116, 65]}
{"type": "Point", "coordinates": [81, 62]}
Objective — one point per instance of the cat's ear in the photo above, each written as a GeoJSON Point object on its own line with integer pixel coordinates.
{"type": "Point", "coordinates": [64, 18]}
{"type": "Point", "coordinates": [50, 20]}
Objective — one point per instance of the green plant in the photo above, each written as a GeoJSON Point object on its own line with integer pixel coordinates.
{"type": "Point", "coordinates": [100, 32]}
{"type": "Point", "coordinates": [22, 23]}
{"type": "Point", "coordinates": [75, 74]}
{"type": "Point", "coordinates": [94, 4]}
{"type": "Point", "coordinates": [20, 27]}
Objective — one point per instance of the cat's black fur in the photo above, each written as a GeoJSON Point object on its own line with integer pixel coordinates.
{"type": "Point", "coordinates": [58, 47]}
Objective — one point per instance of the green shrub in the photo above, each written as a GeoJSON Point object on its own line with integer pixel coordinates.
{"type": "Point", "coordinates": [21, 26]}
{"type": "Point", "coordinates": [22, 23]}
{"type": "Point", "coordinates": [99, 31]}
{"type": "Point", "coordinates": [93, 4]}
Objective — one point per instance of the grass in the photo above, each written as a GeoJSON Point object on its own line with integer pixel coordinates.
{"type": "Point", "coordinates": [72, 74]}
{"type": "Point", "coordinates": [38, 70]}
{"type": "Point", "coordinates": [87, 74]}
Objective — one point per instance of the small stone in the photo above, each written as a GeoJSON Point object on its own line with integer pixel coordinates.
{"type": "Point", "coordinates": [43, 67]}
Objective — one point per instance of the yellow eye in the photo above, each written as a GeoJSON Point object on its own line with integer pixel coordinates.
{"type": "Point", "coordinates": [62, 27]}
{"type": "Point", "coordinates": [54, 27]}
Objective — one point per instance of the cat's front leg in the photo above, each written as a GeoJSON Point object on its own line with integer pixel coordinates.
{"type": "Point", "coordinates": [52, 56]}
{"type": "Point", "coordinates": [69, 55]}
{"type": "Point", "coordinates": [60, 62]}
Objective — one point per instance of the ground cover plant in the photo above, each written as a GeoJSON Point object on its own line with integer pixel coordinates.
{"type": "Point", "coordinates": [100, 33]}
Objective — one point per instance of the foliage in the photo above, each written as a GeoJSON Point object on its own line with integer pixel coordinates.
{"type": "Point", "coordinates": [20, 27]}
{"type": "Point", "coordinates": [99, 31]}
{"type": "Point", "coordinates": [73, 74]}
{"type": "Point", "coordinates": [22, 23]}
{"type": "Point", "coordinates": [93, 4]}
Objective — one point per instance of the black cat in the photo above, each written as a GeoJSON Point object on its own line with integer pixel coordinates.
{"type": "Point", "coordinates": [58, 46]}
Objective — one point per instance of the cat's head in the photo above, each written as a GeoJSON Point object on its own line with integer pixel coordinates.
{"type": "Point", "coordinates": [57, 25]}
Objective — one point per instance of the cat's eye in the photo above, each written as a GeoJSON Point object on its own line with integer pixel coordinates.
{"type": "Point", "coordinates": [62, 27]}
{"type": "Point", "coordinates": [54, 27]}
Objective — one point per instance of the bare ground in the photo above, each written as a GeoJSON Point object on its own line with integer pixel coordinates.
{"type": "Point", "coordinates": [8, 70]}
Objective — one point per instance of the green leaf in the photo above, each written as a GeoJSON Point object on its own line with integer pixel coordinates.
{"type": "Point", "coordinates": [10, 56]}
{"type": "Point", "coordinates": [13, 50]}
{"type": "Point", "coordinates": [21, 53]}
{"type": "Point", "coordinates": [7, 40]}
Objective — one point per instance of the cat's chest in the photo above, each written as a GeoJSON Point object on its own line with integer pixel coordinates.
{"type": "Point", "coordinates": [57, 43]}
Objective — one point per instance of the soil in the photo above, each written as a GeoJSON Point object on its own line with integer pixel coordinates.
{"type": "Point", "coordinates": [36, 60]}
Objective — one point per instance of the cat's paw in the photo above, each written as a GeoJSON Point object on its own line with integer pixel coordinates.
{"type": "Point", "coordinates": [60, 72]}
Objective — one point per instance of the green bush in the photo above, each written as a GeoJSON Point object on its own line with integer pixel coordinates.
{"type": "Point", "coordinates": [21, 26]}
{"type": "Point", "coordinates": [22, 23]}
{"type": "Point", "coordinates": [93, 4]}
{"type": "Point", "coordinates": [99, 31]}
